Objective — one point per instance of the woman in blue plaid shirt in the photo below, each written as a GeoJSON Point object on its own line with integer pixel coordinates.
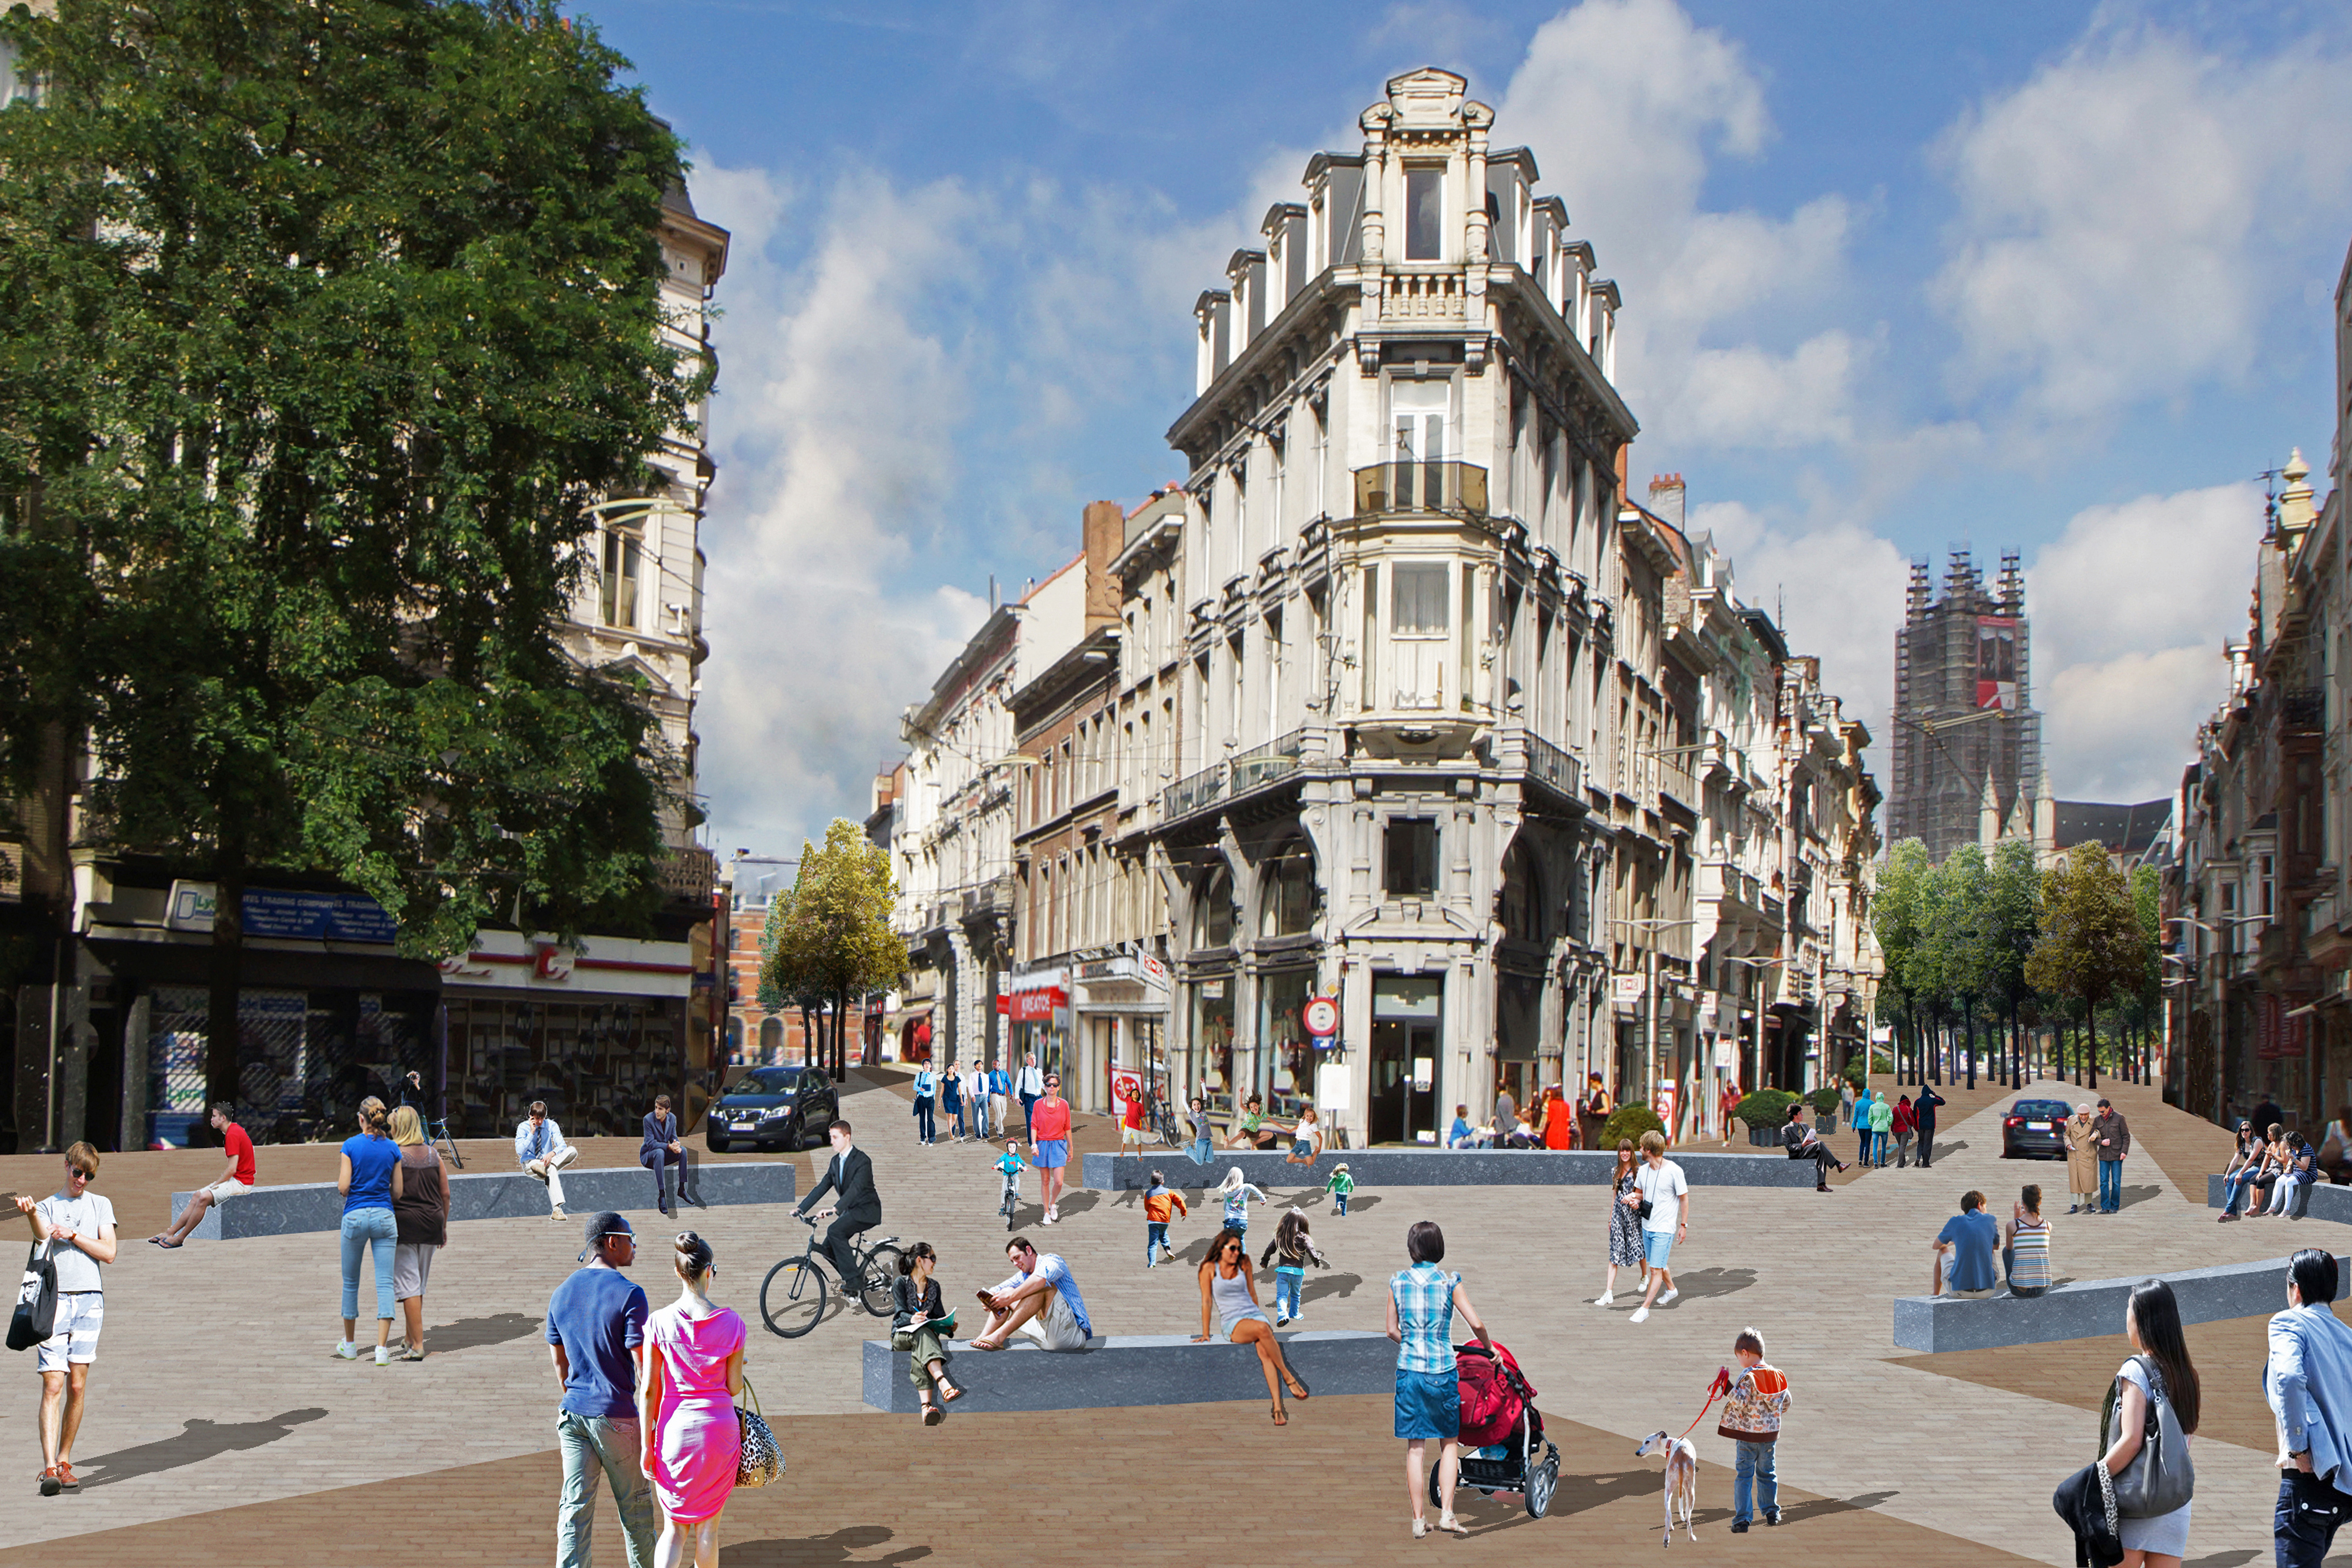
{"type": "Point", "coordinates": [1421, 1303]}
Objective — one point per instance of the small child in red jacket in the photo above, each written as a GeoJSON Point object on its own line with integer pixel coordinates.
{"type": "Point", "coordinates": [1751, 1420]}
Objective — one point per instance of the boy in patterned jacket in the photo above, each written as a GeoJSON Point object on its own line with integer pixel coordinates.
{"type": "Point", "coordinates": [1751, 1420]}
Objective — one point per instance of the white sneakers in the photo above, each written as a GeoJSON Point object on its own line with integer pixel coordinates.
{"type": "Point", "coordinates": [383, 1355]}
{"type": "Point", "coordinates": [1670, 1295]}
{"type": "Point", "coordinates": [348, 1351]}
{"type": "Point", "coordinates": [1641, 1315]}
{"type": "Point", "coordinates": [1605, 1298]}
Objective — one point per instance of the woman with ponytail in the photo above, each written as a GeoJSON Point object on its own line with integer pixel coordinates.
{"type": "Point", "coordinates": [686, 1406]}
{"type": "Point", "coordinates": [369, 1179]}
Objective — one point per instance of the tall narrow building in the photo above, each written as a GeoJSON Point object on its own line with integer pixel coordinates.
{"type": "Point", "coordinates": [1967, 741]}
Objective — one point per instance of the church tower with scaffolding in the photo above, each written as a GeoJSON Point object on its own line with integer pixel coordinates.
{"type": "Point", "coordinates": [1966, 742]}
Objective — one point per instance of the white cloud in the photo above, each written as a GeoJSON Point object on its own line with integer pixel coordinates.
{"type": "Point", "coordinates": [2128, 213]}
{"type": "Point", "coordinates": [1626, 102]}
{"type": "Point", "coordinates": [2130, 606]}
{"type": "Point", "coordinates": [1837, 586]}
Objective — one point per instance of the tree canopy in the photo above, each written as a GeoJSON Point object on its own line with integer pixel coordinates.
{"type": "Point", "coordinates": [830, 937]}
{"type": "Point", "coordinates": [320, 327]}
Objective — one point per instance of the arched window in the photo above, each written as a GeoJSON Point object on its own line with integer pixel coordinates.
{"type": "Point", "coordinates": [734, 1039]}
{"type": "Point", "coordinates": [1212, 912]}
{"type": "Point", "coordinates": [1522, 898]}
{"type": "Point", "coordinates": [1291, 895]}
{"type": "Point", "coordinates": [771, 1039]}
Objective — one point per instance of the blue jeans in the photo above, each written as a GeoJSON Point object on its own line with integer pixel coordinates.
{"type": "Point", "coordinates": [613, 1443]}
{"type": "Point", "coordinates": [1200, 1152]}
{"type": "Point", "coordinates": [924, 1127]}
{"type": "Point", "coordinates": [2111, 1185]}
{"type": "Point", "coordinates": [2231, 1185]}
{"type": "Point", "coordinates": [368, 1230]}
{"type": "Point", "coordinates": [1287, 1282]}
{"type": "Point", "coordinates": [1753, 1479]}
{"type": "Point", "coordinates": [1155, 1239]}
{"type": "Point", "coordinates": [980, 1116]}
{"type": "Point", "coordinates": [1338, 1203]}
{"type": "Point", "coordinates": [1028, 1103]}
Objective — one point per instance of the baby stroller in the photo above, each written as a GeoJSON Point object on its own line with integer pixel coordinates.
{"type": "Point", "coordinates": [1503, 1444]}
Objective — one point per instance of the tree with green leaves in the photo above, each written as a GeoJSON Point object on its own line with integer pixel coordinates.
{"type": "Point", "coordinates": [831, 936]}
{"type": "Point", "coordinates": [2092, 946]}
{"type": "Point", "coordinates": [1955, 942]}
{"type": "Point", "coordinates": [320, 328]}
{"type": "Point", "coordinates": [1898, 915]}
{"type": "Point", "coordinates": [2012, 925]}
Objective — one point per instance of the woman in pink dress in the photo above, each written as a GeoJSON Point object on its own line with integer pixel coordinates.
{"type": "Point", "coordinates": [693, 1369]}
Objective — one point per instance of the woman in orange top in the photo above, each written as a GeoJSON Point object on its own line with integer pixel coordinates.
{"type": "Point", "coordinates": [1560, 1123]}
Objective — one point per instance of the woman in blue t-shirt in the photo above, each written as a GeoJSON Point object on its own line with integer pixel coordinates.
{"type": "Point", "coordinates": [369, 1179]}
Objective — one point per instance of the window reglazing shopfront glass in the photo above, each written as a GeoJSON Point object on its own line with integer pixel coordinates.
{"type": "Point", "coordinates": [1282, 1005]}
{"type": "Point", "coordinates": [1212, 1040]}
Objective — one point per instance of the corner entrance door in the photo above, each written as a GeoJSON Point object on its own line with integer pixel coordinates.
{"type": "Point", "coordinates": [1408, 1013]}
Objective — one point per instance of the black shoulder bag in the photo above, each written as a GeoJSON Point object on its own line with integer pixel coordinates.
{"type": "Point", "coordinates": [36, 1300]}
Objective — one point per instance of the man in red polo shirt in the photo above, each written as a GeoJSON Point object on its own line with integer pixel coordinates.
{"type": "Point", "coordinates": [235, 1183]}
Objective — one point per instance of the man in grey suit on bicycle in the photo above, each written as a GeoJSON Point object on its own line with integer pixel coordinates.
{"type": "Point", "coordinates": [856, 1204]}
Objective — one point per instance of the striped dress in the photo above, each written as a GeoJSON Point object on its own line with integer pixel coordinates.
{"type": "Point", "coordinates": [2028, 1266]}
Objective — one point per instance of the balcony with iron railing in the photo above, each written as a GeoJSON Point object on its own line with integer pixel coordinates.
{"type": "Point", "coordinates": [1243, 773]}
{"type": "Point", "coordinates": [1410, 485]}
{"type": "Point", "coordinates": [1554, 767]}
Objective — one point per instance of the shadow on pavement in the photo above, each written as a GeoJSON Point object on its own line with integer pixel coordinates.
{"type": "Point", "coordinates": [199, 1441]}
{"type": "Point", "coordinates": [2236, 1559]}
{"type": "Point", "coordinates": [1330, 1286]}
{"type": "Point", "coordinates": [2138, 1194]}
{"type": "Point", "coordinates": [1704, 1282]}
{"type": "Point", "coordinates": [815, 1550]}
{"type": "Point", "coordinates": [1828, 1505]}
{"type": "Point", "coordinates": [471, 1333]}
{"type": "Point", "coordinates": [1078, 1203]}
{"type": "Point", "coordinates": [1576, 1494]}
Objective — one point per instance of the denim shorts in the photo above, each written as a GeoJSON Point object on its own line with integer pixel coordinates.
{"type": "Point", "coordinates": [1658, 1245]}
{"type": "Point", "coordinates": [1053, 1153]}
{"type": "Point", "coordinates": [1428, 1405]}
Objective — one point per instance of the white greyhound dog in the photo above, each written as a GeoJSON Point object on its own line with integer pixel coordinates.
{"type": "Point", "coordinates": [1682, 1475]}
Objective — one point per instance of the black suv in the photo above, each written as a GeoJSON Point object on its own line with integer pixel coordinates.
{"type": "Point", "coordinates": [771, 1107]}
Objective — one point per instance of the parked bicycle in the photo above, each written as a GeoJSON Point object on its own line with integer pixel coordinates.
{"type": "Point", "coordinates": [1166, 1123]}
{"type": "Point", "coordinates": [792, 1297]}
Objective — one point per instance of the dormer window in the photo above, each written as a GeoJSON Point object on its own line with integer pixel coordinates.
{"type": "Point", "coordinates": [1424, 214]}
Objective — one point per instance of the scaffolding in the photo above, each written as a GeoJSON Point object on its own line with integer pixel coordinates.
{"type": "Point", "coordinates": [1967, 743]}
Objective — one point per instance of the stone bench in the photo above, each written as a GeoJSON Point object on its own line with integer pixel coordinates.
{"type": "Point", "coordinates": [2081, 1309]}
{"type": "Point", "coordinates": [1148, 1369]}
{"type": "Point", "coordinates": [1381, 1168]}
{"type": "Point", "coordinates": [2326, 1201]}
{"type": "Point", "coordinates": [496, 1194]}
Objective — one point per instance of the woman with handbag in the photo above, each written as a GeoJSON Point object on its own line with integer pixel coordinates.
{"type": "Point", "coordinates": [1624, 1226]}
{"type": "Point", "coordinates": [921, 1327]}
{"type": "Point", "coordinates": [2151, 1415]}
{"type": "Point", "coordinates": [694, 1438]}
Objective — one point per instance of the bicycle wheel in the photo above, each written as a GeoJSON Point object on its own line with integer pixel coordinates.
{"type": "Point", "coordinates": [792, 1297]}
{"type": "Point", "coordinates": [881, 1293]}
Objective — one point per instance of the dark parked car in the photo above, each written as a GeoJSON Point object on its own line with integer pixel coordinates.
{"type": "Point", "coordinates": [769, 1107]}
{"type": "Point", "coordinates": [2035, 1130]}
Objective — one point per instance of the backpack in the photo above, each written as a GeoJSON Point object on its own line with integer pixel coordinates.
{"type": "Point", "coordinates": [1492, 1393]}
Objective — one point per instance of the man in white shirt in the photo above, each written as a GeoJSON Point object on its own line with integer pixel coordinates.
{"type": "Point", "coordinates": [1659, 1184]}
{"type": "Point", "coordinates": [541, 1151]}
{"type": "Point", "coordinates": [79, 1226]}
{"type": "Point", "coordinates": [1041, 1301]}
{"type": "Point", "coordinates": [1031, 1085]}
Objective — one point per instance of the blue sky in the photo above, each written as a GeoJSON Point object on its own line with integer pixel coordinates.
{"type": "Point", "coordinates": [2050, 277]}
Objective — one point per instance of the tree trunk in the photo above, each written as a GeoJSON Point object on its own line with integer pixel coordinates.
{"type": "Point", "coordinates": [2091, 1038]}
{"type": "Point", "coordinates": [226, 973]}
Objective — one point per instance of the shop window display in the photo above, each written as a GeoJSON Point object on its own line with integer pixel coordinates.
{"type": "Point", "coordinates": [1281, 1006]}
{"type": "Point", "coordinates": [1212, 1040]}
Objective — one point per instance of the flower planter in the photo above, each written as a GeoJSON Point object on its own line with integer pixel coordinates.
{"type": "Point", "coordinates": [1762, 1138]}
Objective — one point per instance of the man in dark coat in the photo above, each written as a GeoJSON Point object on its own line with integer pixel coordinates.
{"type": "Point", "coordinates": [857, 1207]}
{"type": "Point", "coordinates": [1923, 1111]}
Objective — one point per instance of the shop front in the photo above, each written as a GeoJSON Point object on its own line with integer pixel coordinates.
{"type": "Point", "coordinates": [1036, 1009]}
{"type": "Point", "coordinates": [1408, 1025]}
{"type": "Point", "coordinates": [1287, 1054]}
{"type": "Point", "coordinates": [1211, 999]}
{"type": "Point", "coordinates": [1121, 1025]}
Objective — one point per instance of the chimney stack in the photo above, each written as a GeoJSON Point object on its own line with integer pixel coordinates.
{"type": "Point", "coordinates": [1106, 535]}
{"type": "Point", "coordinates": [1667, 497]}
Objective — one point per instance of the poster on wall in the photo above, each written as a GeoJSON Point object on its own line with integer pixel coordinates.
{"type": "Point", "coordinates": [1126, 1084]}
{"type": "Point", "coordinates": [1663, 1101]}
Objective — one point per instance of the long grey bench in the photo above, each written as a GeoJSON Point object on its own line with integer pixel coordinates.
{"type": "Point", "coordinates": [1148, 1369]}
{"type": "Point", "coordinates": [1378, 1168]}
{"type": "Point", "coordinates": [2084, 1308]}
{"type": "Point", "coordinates": [2326, 1201]}
{"type": "Point", "coordinates": [496, 1194]}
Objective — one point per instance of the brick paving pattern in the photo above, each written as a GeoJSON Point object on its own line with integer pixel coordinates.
{"type": "Point", "coordinates": [214, 1390]}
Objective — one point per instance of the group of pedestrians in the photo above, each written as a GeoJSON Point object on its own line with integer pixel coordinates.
{"type": "Point", "coordinates": [2276, 1172]}
{"type": "Point", "coordinates": [975, 1101]}
{"type": "Point", "coordinates": [1884, 1129]}
{"type": "Point", "coordinates": [396, 1217]}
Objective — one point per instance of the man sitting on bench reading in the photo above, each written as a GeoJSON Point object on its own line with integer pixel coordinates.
{"type": "Point", "coordinates": [1041, 1301]}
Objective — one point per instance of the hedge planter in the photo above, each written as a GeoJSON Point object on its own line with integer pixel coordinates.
{"type": "Point", "coordinates": [1763, 1138]}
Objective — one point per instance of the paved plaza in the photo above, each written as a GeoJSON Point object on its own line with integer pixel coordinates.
{"type": "Point", "coordinates": [221, 1429]}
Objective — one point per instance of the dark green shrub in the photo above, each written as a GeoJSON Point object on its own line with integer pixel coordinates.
{"type": "Point", "coordinates": [1766, 1108]}
{"type": "Point", "coordinates": [1630, 1121]}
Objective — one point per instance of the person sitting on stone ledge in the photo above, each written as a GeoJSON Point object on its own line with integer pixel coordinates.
{"type": "Point", "coordinates": [1041, 1300]}
{"type": "Point", "coordinates": [1973, 1238]}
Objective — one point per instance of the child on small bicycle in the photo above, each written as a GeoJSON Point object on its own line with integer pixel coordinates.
{"type": "Point", "coordinates": [1158, 1200]}
{"type": "Point", "coordinates": [1008, 1165]}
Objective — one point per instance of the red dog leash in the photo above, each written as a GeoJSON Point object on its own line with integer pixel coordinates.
{"type": "Point", "coordinates": [1714, 1391]}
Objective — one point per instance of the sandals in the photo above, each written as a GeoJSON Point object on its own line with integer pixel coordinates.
{"type": "Point", "coordinates": [1298, 1388]}
{"type": "Point", "coordinates": [1451, 1525]}
{"type": "Point", "coordinates": [1280, 1419]}
{"type": "Point", "coordinates": [933, 1414]}
{"type": "Point", "coordinates": [949, 1391]}
{"type": "Point", "coordinates": [1420, 1528]}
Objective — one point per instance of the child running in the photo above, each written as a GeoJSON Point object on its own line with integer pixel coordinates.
{"type": "Point", "coordinates": [1288, 1253]}
{"type": "Point", "coordinates": [1010, 1164]}
{"type": "Point", "coordinates": [1340, 1186]}
{"type": "Point", "coordinates": [1158, 1200]}
{"type": "Point", "coordinates": [1237, 1192]}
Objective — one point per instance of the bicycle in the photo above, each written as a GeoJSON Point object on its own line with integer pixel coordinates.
{"type": "Point", "coordinates": [1165, 1124]}
{"type": "Point", "coordinates": [792, 1297]}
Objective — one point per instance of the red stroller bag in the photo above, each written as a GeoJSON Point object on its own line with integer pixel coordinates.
{"type": "Point", "coordinates": [1494, 1393]}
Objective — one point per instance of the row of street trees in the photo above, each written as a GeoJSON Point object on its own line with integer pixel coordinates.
{"type": "Point", "coordinates": [827, 944]}
{"type": "Point", "coordinates": [321, 327]}
{"type": "Point", "coordinates": [1986, 950]}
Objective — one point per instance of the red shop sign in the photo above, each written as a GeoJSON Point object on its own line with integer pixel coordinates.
{"type": "Point", "coordinates": [1038, 1006]}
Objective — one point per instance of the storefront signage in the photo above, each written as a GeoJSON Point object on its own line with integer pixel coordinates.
{"type": "Point", "coordinates": [1322, 1017]}
{"type": "Point", "coordinates": [286, 914]}
{"type": "Point", "coordinates": [1038, 1006]}
{"type": "Point", "coordinates": [1625, 990]}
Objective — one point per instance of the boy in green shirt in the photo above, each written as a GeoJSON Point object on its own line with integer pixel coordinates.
{"type": "Point", "coordinates": [1340, 1186]}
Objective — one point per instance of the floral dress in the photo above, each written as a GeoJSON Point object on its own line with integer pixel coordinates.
{"type": "Point", "coordinates": [1624, 1226]}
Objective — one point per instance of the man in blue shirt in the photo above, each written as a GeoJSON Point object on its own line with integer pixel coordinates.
{"type": "Point", "coordinates": [596, 1335]}
{"type": "Point", "coordinates": [2308, 1381]}
{"type": "Point", "coordinates": [1973, 1238]}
